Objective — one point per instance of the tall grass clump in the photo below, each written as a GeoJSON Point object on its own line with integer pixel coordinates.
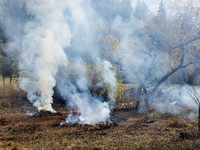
{"type": "Point", "coordinates": [11, 92]}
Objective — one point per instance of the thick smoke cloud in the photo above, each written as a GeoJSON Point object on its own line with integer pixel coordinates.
{"type": "Point", "coordinates": [47, 32]}
{"type": "Point", "coordinates": [42, 50]}
{"type": "Point", "coordinates": [59, 46]}
{"type": "Point", "coordinates": [137, 58]}
{"type": "Point", "coordinates": [176, 99]}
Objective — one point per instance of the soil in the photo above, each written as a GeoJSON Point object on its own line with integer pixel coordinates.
{"type": "Point", "coordinates": [126, 129]}
{"type": "Point", "coordinates": [44, 114]}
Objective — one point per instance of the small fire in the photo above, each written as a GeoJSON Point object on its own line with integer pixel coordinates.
{"type": "Point", "coordinates": [87, 112]}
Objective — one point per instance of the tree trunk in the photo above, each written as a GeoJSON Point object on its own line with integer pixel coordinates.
{"type": "Point", "coordinates": [184, 79]}
{"type": "Point", "coordinates": [3, 78]}
{"type": "Point", "coordinates": [163, 80]}
{"type": "Point", "coordinates": [138, 97]}
{"type": "Point", "coordinates": [10, 78]}
{"type": "Point", "coordinates": [199, 119]}
{"type": "Point", "coordinates": [141, 86]}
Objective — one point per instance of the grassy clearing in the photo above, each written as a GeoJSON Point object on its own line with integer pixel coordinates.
{"type": "Point", "coordinates": [148, 130]}
{"type": "Point", "coordinates": [15, 81]}
{"type": "Point", "coordinates": [10, 96]}
{"type": "Point", "coordinates": [10, 92]}
{"type": "Point", "coordinates": [134, 131]}
{"type": "Point", "coordinates": [127, 86]}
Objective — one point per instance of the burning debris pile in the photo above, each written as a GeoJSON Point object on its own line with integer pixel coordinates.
{"type": "Point", "coordinates": [56, 50]}
{"type": "Point", "coordinates": [91, 127]}
{"type": "Point", "coordinates": [44, 114]}
{"type": "Point", "coordinates": [87, 111]}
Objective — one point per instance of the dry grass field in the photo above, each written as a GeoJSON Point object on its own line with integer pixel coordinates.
{"type": "Point", "coordinates": [130, 129]}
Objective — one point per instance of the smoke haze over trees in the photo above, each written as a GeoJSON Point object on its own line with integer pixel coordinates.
{"type": "Point", "coordinates": [84, 43]}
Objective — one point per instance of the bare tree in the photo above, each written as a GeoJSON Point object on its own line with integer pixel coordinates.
{"type": "Point", "coordinates": [196, 97]}
{"type": "Point", "coordinates": [179, 38]}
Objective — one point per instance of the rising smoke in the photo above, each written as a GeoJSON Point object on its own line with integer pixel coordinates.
{"type": "Point", "coordinates": [42, 51]}
{"type": "Point", "coordinates": [59, 46]}
{"type": "Point", "coordinates": [47, 32]}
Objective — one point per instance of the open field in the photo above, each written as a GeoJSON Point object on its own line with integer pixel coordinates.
{"type": "Point", "coordinates": [132, 130]}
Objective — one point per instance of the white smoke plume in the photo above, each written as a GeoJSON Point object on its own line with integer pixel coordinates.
{"type": "Point", "coordinates": [57, 39]}
{"type": "Point", "coordinates": [42, 50]}
{"type": "Point", "coordinates": [63, 44]}
{"type": "Point", "coordinates": [91, 108]}
{"type": "Point", "coordinates": [109, 78]}
{"type": "Point", "coordinates": [179, 95]}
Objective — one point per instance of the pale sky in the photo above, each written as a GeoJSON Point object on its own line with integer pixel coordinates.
{"type": "Point", "coordinates": [152, 4]}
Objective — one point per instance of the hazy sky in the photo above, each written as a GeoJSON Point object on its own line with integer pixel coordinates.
{"type": "Point", "coordinates": [152, 4]}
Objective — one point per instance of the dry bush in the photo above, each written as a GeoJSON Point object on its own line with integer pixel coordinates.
{"type": "Point", "coordinates": [9, 98]}
{"type": "Point", "coordinates": [11, 92]}
{"type": "Point", "coordinates": [120, 91]}
{"type": "Point", "coordinates": [190, 132]}
{"type": "Point", "coordinates": [71, 143]}
{"type": "Point", "coordinates": [129, 96]}
{"type": "Point", "coordinates": [29, 128]}
{"type": "Point", "coordinates": [163, 144]}
{"type": "Point", "coordinates": [177, 123]}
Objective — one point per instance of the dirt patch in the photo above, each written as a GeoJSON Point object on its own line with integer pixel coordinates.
{"type": "Point", "coordinates": [124, 109]}
{"type": "Point", "coordinates": [126, 130]}
{"type": "Point", "coordinates": [189, 136]}
{"type": "Point", "coordinates": [30, 128]}
{"type": "Point", "coordinates": [175, 123]}
{"type": "Point", "coordinates": [44, 114]}
{"type": "Point", "coordinates": [90, 127]}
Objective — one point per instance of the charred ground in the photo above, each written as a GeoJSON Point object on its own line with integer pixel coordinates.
{"type": "Point", "coordinates": [128, 129]}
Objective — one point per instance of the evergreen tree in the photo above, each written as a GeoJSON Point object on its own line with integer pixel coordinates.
{"type": "Point", "coordinates": [141, 10]}
{"type": "Point", "coordinates": [125, 9]}
{"type": "Point", "coordinates": [107, 9]}
{"type": "Point", "coordinates": [161, 11]}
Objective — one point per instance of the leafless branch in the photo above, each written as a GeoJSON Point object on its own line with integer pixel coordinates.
{"type": "Point", "coordinates": [193, 93]}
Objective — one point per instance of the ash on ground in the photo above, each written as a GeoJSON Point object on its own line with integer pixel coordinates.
{"type": "Point", "coordinates": [90, 127]}
{"type": "Point", "coordinates": [44, 114]}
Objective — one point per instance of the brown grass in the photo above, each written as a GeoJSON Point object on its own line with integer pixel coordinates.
{"type": "Point", "coordinates": [148, 130]}
{"type": "Point", "coordinates": [11, 92]}
{"type": "Point", "coordinates": [134, 131]}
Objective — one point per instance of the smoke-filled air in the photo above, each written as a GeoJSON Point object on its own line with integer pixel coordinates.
{"type": "Point", "coordinates": [57, 42]}
{"type": "Point", "coordinates": [112, 65]}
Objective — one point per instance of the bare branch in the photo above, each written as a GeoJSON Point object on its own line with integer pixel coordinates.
{"type": "Point", "coordinates": [193, 93]}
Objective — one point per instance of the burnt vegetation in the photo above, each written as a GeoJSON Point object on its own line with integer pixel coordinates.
{"type": "Point", "coordinates": [150, 129]}
{"type": "Point", "coordinates": [150, 52]}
